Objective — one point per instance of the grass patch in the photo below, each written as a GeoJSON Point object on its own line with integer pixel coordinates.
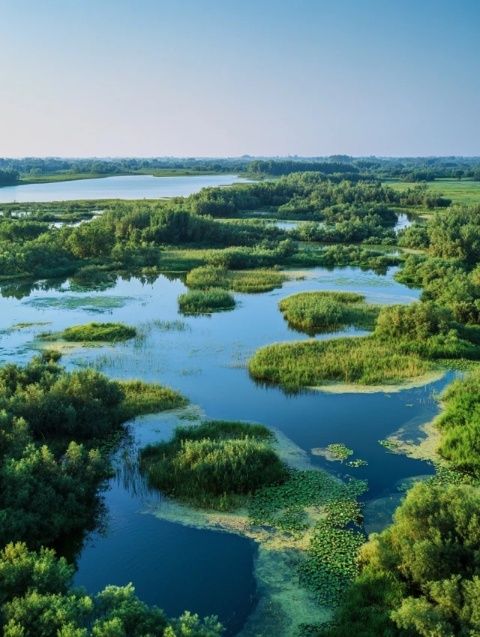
{"type": "Point", "coordinates": [252, 281]}
{"type": "Point", "coordinates": [147, 398]}
{"type": "Point", "coordinates": [362, 361]}
{"type": "Point", "coordinates": [215, 464]}
{"type": "Point", "coordinates": [205, 301]}
{"type": "Point", "coordinates": [207, 276]}
{"type": "Point", "coordinates": [104, 332]}
{"type": "Point", "coordinates": [316, 312]}
{"type": "Point", "coordinates": [255, 281]}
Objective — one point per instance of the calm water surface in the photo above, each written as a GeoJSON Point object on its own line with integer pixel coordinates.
{"type": "Point", "coordinates": [204, 357]}
{"type": "Point", "coordinates": [123, 187]}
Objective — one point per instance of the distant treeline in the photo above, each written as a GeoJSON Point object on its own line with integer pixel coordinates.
{"type": "Point", "coordinates": [415, 169]}
{"type": "Point", "coordinates": [8, 177]}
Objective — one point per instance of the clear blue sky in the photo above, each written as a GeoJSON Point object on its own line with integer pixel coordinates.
{"type": "Point", "coordinates": [230, 77]}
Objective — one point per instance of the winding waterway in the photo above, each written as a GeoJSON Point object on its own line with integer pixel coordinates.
{"type": "Point", "coordinates": [175, 566]}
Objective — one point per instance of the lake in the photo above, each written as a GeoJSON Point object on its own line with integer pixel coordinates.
{"type": "Point", "coordinates": [123, 187]}
{"type": "Point", "coordinates": [175, 566]}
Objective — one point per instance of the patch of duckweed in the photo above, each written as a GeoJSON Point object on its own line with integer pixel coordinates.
{"type": "Point", "coordinates": [330, 564]}
{"type": "Point", "coordinates": [355, 464]}
{"type": "Point", "coordinates": [92, 303]}
{"type": "Point", "coordinates": [390, 444]}
{"type": "Point", "coordinates": [339, 451]}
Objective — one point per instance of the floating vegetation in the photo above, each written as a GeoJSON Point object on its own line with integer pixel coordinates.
{"type": "Point", "coordinates": [27, 325]}
{"type": "Point", "coordinates": [99, 303]}
{"type": "Point", "coordinates": [391, 444]}
{"type": "Point", "coordinates": [339, 451]}
{"type": "Point", "coordinates": [355, 464]}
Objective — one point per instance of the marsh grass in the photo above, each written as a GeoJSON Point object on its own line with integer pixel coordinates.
{"type": "Point", "coordinates": [256, 281]}
{"type": "Point", "coordinates": [205, 301]}
{"type": "Point", "coordinates": [98, 332]}
{"type": "Point", "coordinates": [249, 281]}
{"type": "Point", "coordinates": [363, 361]}
{"type": "Point", "coordinates": [215, 464]}
{"type": "Point", "coordinates": [325, 311]}
{"type": "Point", "coordinates": [147, 398]}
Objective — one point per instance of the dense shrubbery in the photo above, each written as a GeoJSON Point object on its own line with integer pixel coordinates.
{"type": "Point", "coordinates": [455, 233]}
{"type": "Point", "coordinates": [447, 283]}
{"type": "Point", "coordinates": [205, 301]}
{"type": "Point", "coordinates": [214, 464]}
{"type": "Point", "coordinates": [315, 312]}
{"type": "Point", "coordinates": [414, 237]}
{"type": "Point", "coordinates": [459, 423]}
{"type": "Point", "coordinates": [48, 481]}
{"type": "Point", "coordinates": [421, 575]}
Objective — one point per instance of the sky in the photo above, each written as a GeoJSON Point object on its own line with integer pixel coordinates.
{"type": "Point", "coordinates": [233, 77]}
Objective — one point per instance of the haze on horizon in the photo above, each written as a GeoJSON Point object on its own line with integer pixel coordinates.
{"type": "Point", "coordinates": [222, 78]}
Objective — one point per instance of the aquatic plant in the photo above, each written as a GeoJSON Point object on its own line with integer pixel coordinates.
{"type": "Point", "coordinates": [105, 332]}
{"type": "Point", "coordinates": [315, 312]}
{"type": "Point", "coordinates": [339, 451]}
{"type": "Point", "coordinates": [362, 361]}
{"type": "Point", "coordinates": [205, 301]}
{"type": "Point", "coordinates": [214, 464]}
{"type": "Point", "coordinates": [147, 398]}
{"type": "Point", "coordinates": [207, 276]}
{"type": "Point", "coordinates": [257, 281]}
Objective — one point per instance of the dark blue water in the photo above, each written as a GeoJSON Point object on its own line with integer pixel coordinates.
{"type": "Point", "coordinates": [204, 357]}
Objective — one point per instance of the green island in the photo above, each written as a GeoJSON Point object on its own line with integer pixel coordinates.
{"type": "Point", "coordinates": [316, 312]}
{"type": "Point", "coordinates": [96, 332]}
{"type": "Point", "coordinates": [205, 301]}
{"type": "Point", "coordinates": [209, 276]}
